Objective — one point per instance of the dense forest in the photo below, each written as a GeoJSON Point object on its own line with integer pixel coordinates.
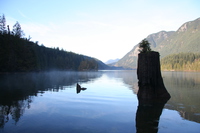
{"type": "Point", "coordinates": [19, 54]}
{"type": "Point", "coordinates": [181, 62]}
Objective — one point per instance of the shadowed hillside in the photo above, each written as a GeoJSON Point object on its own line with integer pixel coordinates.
{"type": "Point", "coordinates": [19, 54]}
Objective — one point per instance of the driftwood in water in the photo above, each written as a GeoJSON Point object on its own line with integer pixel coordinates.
{"type": "Point", "coordinates": [79, 88]}
{"type": "Point", "coordinates": [149, 75]}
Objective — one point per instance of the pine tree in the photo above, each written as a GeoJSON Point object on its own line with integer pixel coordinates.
{"type": "Point", "coordinates": [2, 24]}
{"type": "Point", "coordinates": [17, 31]}
{"type": "Point", "coordinates": [144, 46]}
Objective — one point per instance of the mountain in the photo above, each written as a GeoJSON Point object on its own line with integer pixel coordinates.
{"type": "Point", "coordinates": [111, 61]}
{"type": "Point", "coordinates": [185, 39]}
{"type": "Point", "coordinates": [130, 59]}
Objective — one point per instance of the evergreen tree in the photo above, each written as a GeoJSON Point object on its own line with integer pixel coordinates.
{"type": "Point", "coordinates": [181, 61]}
{"type": "Point", "coordinates": [17, 31]}
{"type": "Point", "coordinates": [2, 24]}
{"type": "Point", "coordinates": [144, 46]}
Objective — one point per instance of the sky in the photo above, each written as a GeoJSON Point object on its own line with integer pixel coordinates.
{"type": "Point", "coordinates": [103, 29]}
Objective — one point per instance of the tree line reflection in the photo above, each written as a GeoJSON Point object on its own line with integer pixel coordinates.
{"type": "Point", "coordinates": [184, 88]}
{"type": "Point", "coordinates": [17, 91]}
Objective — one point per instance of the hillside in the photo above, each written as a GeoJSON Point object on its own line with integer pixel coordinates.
{"type": "Point", "coordinates": [181, 61]}
{"type": "Point", "coordinates": [130, 59]}
{"type": "Point", "coordinates": [111, 61]}
{"type": "Point", "coordinates": [19, 54]}
{"type": "Point", "coordinates": [185, 39]}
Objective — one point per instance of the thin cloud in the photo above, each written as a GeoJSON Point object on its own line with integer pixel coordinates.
{"type": "Point", "coordinates": [22, 14]}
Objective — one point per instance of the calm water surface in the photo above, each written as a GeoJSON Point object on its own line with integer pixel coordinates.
{"type": "Point", "coordinates": [49, 103]}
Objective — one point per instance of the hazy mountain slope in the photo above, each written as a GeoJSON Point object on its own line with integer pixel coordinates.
{"type": "Point", "coordinates": [130, 59]}
{"type": "Point", "coordinates": [157, 38]}
{"type": "Point", "coordinates": [185, 39]}
{"type": "Point", "coordinates": [111, 61]}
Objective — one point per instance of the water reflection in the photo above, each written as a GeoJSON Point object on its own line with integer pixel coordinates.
{"type": "Point", "coordinates": [17, 91]}
{"type": "Point", "coordinates": [184, 88]}
{"type": "Point", "coordinates": [128, 77]}
{"type": "Point", "coordinates": [149, 110]}
{"type": "Point", "coordinates": [14, 109]}
{"type": "Point", "coordinates": [148, 115]}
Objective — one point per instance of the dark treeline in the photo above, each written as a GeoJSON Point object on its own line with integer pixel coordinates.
{"type": "Point", "coordinates": [181, 61]}
{"type": "Point", "coordinates": [19, 54]}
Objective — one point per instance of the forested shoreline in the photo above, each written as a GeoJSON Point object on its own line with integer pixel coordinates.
{"type": "Point", "coordinates": [181, 62]}
{"type": "Point", "coordinates": [19, 54]}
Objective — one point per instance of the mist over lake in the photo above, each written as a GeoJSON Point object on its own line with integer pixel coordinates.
{"type": "Point", "coordinates": [49, 102]}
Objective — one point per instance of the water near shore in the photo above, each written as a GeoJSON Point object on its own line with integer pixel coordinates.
{"type": "Point", "coordinates": [49, 102]}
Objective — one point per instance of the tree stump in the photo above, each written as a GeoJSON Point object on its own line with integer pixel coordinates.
{"type": "Point", "coordinates": [150, 82]}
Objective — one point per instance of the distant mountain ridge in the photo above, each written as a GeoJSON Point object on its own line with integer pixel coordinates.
{"type": "Point", "coordinates": [185, 39]}
{"type": "Point", "coordinates": [111, 61]}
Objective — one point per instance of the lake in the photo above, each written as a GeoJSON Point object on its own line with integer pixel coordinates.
{"type": "Point", "coordinates": [49, 103]}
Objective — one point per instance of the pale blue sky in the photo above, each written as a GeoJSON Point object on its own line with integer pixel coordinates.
{"type": "Point", "coordinates": [104, 29]}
